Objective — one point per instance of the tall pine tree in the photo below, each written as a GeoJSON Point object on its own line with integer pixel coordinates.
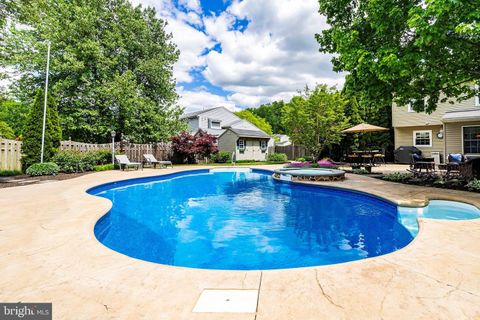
{"type": "Point", "coordinates": [32, 139]}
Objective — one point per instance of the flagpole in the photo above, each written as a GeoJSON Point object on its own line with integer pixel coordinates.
{"type": "Point", "coordinates": [45, 103]}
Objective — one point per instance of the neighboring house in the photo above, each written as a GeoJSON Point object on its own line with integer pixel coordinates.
{"type": "Point", "coordinates": [282, 140]}
{"type": "Point", "coordinates": [451, 128]}
{"type": "Point", "coordinates": [234, 134]}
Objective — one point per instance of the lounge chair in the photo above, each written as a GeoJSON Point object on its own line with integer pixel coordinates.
{"type": "Point", "coordinates": [123, 161]}
{"type": "Point", "coordinates": [150, 159]}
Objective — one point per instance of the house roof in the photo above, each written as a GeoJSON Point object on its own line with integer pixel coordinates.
{"type": "Point", "coordinates": [466, 115]}
{"type": "Point", "coordinates": [243, 133]}
{"type": "Point", "coordinates": [196, 113]}
{"type": "Point", "coordinates": [213, 132]}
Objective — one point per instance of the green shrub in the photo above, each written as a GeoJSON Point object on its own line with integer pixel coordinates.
{"type": "Point", "coordinates": [277, 157]}
{"type": "Point", "coordinates": [105, 167]}
{"type": "Point", "coordinates": [474, 185]}
{"type": "Point", "coordinates": [300, 159]}
{"type": "Point", "coordinates": [398, 176]}
{"type": "Point", "coordinates": [43, 169]}
{"type": "Point", "coordinates": [71, 161]}
{"type": "Point", "coordinates": [7, 173]}
{"type": "Point", "coordinates": [101, 156]}
{"type": "Point", "coordinates": [32, 138]}
{"type": "Point", "coordinates": [221, 157]}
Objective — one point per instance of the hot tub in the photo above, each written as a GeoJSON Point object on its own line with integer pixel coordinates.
{"type": "Point", "coordinates": [309, 174]}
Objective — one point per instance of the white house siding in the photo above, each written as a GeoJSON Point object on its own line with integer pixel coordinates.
{"type": "Point", "coordinates": [404, 137]}
{"type": "Point", "coordinates": [402, 118]}
{"type": "Point", "coordinates": [222, 114]}
{"type": "Point", "coordinates": [192, 124]}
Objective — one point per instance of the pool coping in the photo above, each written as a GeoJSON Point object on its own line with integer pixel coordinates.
{"type": "Point", "coordinates": [79, 275]}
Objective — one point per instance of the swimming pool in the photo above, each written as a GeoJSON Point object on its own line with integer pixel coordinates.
{"type": "Point", "coordinates": [245, 220]}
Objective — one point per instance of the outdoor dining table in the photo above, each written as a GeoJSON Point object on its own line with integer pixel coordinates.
{"type": "Point", "coordinates": [363, 156]}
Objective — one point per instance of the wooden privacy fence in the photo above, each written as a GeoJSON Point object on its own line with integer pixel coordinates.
{"type": "Point", "coordinates": [10, 154]}
{"type": "Point", "coordinates": [292, 151]}
{"type": "Point", "coordinates": [11, 151]}
{"type": "Point", "coordinates": [134, 151]}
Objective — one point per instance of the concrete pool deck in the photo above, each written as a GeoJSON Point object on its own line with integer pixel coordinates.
{"type": "Point", "coordinates": [49, 254]}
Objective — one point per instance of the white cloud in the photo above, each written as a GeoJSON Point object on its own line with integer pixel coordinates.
{"type": "Point", "coordinates": [275, 56]}
{"type": "Point", "coordinates": [191, 42]}
{"type": "Point", "coordinates": [200, 99]}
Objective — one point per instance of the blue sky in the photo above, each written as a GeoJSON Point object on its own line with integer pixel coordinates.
{"type": "Point", "coordinates": [244, 53]}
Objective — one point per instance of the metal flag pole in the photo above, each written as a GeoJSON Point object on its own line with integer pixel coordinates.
{"type": "Point", "coordinates": [45, 103]}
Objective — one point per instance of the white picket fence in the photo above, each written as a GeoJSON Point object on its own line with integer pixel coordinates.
{"type": "Point", "coordinates": [10, 154]}
{"type": "Point", "coordinates": [11, 151]}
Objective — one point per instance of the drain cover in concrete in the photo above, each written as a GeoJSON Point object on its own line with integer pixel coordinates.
{"type": "Point", "coordinates": [235, 301]}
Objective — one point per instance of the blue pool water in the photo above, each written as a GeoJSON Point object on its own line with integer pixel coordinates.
{"type": "Point", "coordinates": [244, 221]}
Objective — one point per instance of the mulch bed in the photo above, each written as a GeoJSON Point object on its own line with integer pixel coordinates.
{"type": "Point", "coordinates": [453, 184]}
{"type": "Point", "coordinates": [24, 180]}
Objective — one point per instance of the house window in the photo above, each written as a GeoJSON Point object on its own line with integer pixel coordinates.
{"type": "Point", "coordinates": [422, 138]}
{"type": "Point", "coordinates": [215, 124]}
{"type": "Point", "coordinates": [263, 145]}
{"type": "Point", "coordinates": [241, 144]}
{"type": "Point", "coordinates": [410, 107]}
{"type": "Point", "coordinates": [471, 140]}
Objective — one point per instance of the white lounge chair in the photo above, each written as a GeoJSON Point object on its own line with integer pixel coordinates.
{"type": "Point", "coordinates": [123, 160]}
{"type": "Point", "coordinates": [150, 159]}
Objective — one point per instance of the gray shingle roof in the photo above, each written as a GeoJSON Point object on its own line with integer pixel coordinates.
{"type": "Point", "coordinates": [196, 113]}
{"type": "Point", "coordinates": [242, 133]}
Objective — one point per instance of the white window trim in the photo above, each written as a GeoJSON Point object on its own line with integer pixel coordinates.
{"type": "Point", "coordinates": [463, 145]}
{"type": "Point", "coordinates": [477, 97]}
{"type": "Point", "coordinates": [421, 131]}
{"type": "Point", "coordinates": [263, 145]}
{"type": "Point", "coordinates": [215, 126]}
{"type": "Point", "coordinates": [244, 144]}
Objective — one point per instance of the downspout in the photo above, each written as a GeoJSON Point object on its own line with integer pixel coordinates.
{"type": "Point", "coordinates": [444, 127]}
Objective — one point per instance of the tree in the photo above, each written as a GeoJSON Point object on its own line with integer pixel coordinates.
{"type": "Point", "coordinates": [111, 66]}
{"type": "Point", "coordinates": [272, 113]}
{"type": "Point", "coordinates": [5, 131]}
{"type": "Point", "coordinates": [183, 146]}
{"type": "Point", "coordinates": [15, 114]}
{"type": "Point", "coordinates": [205, 144]}
{"type": "Point", "coordinates": [316, 119]}
{"type": "Point", "coordinates": [418, 52]}
{"type": "Point", "coordinates": [255, 120]}
{"type": "Point", "coordinates": [32, 140]}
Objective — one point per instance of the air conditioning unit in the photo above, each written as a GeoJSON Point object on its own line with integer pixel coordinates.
{"type": "Point", "coordinates": [436, 157]}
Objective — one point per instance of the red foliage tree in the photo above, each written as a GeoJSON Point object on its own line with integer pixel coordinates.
{"type": "Point", "coordinates": [188, 146]}
{"type": "Point", "coordinates": [205, 144]}
{"type": "Point", "coordinates": [184, 146]}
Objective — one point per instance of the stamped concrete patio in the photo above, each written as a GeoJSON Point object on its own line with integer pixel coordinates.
{"type": "Point", "coordinates": [49, 254]}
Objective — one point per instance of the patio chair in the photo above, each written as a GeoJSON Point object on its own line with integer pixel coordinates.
{"type": "Point", "coordinates": [150, 159]}
{"type": "Point", "coordinates": [379, 157]}
{"type": "Point", "coordinates": [422, 167]}
{"type": "Point", "coordinates": [123, 161]}
{"type": "Point", "coordinates": [454, 162]}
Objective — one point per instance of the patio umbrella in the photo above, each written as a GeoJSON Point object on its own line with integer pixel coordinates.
{"type": "Point", "coordinates": [364, 127]}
